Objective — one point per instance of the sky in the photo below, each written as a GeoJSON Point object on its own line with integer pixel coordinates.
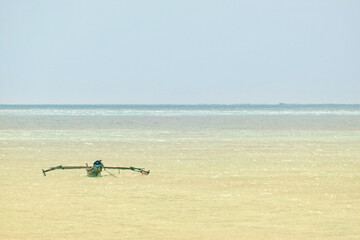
{"type": "Point", "coordinates": [179, 52]}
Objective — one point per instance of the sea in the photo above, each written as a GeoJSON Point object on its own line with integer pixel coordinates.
{"type": "Point", "coordinates": [216, 172]}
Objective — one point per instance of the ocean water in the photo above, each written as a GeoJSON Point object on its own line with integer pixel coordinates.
{"type": "Point", "coordinates": [217, 172]}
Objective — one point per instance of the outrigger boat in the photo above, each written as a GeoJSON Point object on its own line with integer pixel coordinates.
{"type": "Point", "coordinates": [96, 169]}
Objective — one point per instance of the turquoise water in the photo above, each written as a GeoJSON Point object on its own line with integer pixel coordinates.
{"type": "Point", "coordinates": [179, 110]}
{"type": "Point", "coordinates": [178, 122]}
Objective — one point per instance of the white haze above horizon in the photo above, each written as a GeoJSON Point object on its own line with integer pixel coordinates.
{"type": "Point", "coordinates": [179, 52]}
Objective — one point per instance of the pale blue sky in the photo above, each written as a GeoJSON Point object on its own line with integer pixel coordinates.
{"type": "Point", "coordinates": [179, 52]}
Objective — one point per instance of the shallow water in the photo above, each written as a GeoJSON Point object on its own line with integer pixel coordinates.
{"type": "Point", "coordinates": [217, 172]}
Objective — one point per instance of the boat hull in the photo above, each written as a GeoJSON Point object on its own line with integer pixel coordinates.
{"type": "Point", "coordinates": [94, 172]}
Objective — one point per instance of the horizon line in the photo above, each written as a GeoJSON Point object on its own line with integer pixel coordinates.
{"type": "Point", "coordinates": [170, 104]}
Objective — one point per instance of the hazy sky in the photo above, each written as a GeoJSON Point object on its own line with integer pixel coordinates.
{"type": "Point", "coordinates": [179, 52]}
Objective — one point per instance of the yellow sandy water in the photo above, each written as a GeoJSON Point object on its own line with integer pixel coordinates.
{"type": "Point", "coordinates": [205, 182]}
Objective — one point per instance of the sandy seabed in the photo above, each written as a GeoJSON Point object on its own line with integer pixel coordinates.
{"type": "Point", "coordinates": [206, 182]}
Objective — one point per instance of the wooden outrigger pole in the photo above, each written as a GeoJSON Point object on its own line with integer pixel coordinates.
{"type": "Point", "coordinates": [96, 169]}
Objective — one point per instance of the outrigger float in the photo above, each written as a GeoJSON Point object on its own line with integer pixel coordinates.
{"type": "Point", "coordinates": [96, 169]}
